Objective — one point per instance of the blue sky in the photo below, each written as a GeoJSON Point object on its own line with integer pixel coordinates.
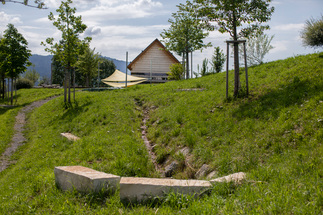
{"type": "Point", "coordinates": [117, 26]}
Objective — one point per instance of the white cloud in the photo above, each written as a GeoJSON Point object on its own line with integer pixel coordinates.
{"type": "Point", "coordinates": [289, 27]}
{"type": "Point", "coordinates": [6, 18]}
{"type": "Point", "coordinates": [120, 10]}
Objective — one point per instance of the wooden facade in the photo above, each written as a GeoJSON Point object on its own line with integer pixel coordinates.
{"type": "Point", "coordinates": [153, 63]}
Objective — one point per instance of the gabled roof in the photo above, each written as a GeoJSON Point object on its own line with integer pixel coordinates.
{"type": "Point", "coordinates": [156, 41]}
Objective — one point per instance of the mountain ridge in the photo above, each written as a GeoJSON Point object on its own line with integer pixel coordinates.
{"type": "Point", "coordinates": [42, 64]}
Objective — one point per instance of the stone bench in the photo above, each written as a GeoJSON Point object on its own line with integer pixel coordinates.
{"type": "Point", "coordinates": [85, 179]}
{"type": "Point", "coordinates": [140, 189]}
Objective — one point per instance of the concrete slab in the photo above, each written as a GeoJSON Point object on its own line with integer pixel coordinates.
{"type": "Point", "coordinates": [236, 178]}
{"type": "Point", "coordinates": [84, 179]}
{"type": "Point", "coordinates": [140, 189]}
{"type": "Point", "coordinates": [70, 136]}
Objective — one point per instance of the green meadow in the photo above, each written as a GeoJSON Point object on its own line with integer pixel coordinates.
{"type": "Point", "coordinates": [275, 136]}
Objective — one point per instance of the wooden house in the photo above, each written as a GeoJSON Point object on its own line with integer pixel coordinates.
{"type": "Point", "coordinates": [153, 63]}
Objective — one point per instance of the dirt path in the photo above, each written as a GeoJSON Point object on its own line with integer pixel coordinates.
{"type": "Point", "coordinates": [18, 138]}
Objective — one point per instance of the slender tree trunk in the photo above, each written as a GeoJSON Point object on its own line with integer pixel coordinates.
{"type": "Point", "coordinates": [11, 91]}
{"type": "Point", "coordinates": [236, 58]}
{"type": "Point", "coordinates": [69, 84]}
{"type": "Point", "coordinates": [87, 82]}
{"type": "Point", "coordinates": [3, 87]}
{"type": "Point", "coordinates": [187, 65]}
{"type": "Point", "coordinates": [65, 85]}
{"type": "Point", "coordinates": [8, 96]}
{"type": "Point", "coordinates": [184, 64]}
{"type": "Point", "coordinates": [16, 90]}
{"type": "Point", "coordinates": [74, 82]}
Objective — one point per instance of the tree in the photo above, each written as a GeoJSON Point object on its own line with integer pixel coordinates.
{"type": "Point", "coordinates": [229, 15]}
{"type": "Point", "coordinates": [69, 47]}
{"type": "Point", "coordinates": [17, 54]}
{"type": "Point", "coordinates": [256, 48]}
{"type": "Point", "coordinates": [217, 60]}
{"type": "Point", "coordinates": [38, 3]}
{"type": "Point", "coordinates": [44, 80]}
{"type": "Point", "coordinates": [185, 34]}
{"type": "Point", "coordinates": [32, 74]}
{"type": "Point", "coordinates": [58, 71]}
{"type": "Point", "coordinates": [312, 34]}
{"type": "Point", "coordinates": [107, 68]}
{"type": "Point", "coordinates": [87, 65]}
{"type": "Point", "coordinates": [176, 72]}
{"type": "Point", "coordinates": [3, 58]}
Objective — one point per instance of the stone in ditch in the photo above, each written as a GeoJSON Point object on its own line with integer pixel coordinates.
{"type": "Point", "coordinates": [170, 169]}
{"type": "Point", "coordinates": [84, 179]}
{"type": "Point", "coordinates": [203, 171]}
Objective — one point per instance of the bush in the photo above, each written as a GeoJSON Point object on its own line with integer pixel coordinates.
{"type": "Point", "coordinates": [312, 33]}
{"type": "Point", "coordinates": [176, 72]}
{"type": "Point", "coordinates": [24, 83]}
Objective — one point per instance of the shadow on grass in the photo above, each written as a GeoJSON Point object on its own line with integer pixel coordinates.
{"type": "Point", "coordinates": [271, 103]}
{"type": "Point", "coordinates": [74, 109]}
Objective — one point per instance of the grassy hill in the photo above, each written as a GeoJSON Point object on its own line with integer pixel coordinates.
{"type": "Point", "coordinates": [275, 136]}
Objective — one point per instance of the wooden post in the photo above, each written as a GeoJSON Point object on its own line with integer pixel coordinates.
{"type": "Point", "coordinates": [151, 65]}
{"type": "Point", "coordinates": [246, 67]}
{"type": "Point", "coordinates": [227, 78]}
{"type": "Point", "coordinates": [126, 69]}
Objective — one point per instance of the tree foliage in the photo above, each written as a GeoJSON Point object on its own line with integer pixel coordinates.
{"type": "Point", "coordinates": [3, 57]}
{"type": "Point", "coordinates": [87, 65]}
{"type": "Point", "coordinates": [32, 75]}
{"type": "Point", "coordinates": [239, 18]}
{"type": "Point", "coordinates": [312, 34]}
{"type": "Point", "coordinates": [176, 72]}
{"type": "Point", "coordinates": [185, 34]}
{"type": "Point", "coordinates": [58, 71]}
{"type": "Point", "coordinates": [217, 60]}
{"type": "Point", "coordinates": [70, 46]}
{"type": "Point", "coordinates": [16, 55]}
{"type": "Point", "coordinates": [256, 48]}
{"type": "Point", "coordinates": [37, 3]}
{"type": "Point", "coordinates": [107, 68]}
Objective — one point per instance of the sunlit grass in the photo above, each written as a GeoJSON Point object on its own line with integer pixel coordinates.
{"type": "Point", "coordinates": [275, 136]}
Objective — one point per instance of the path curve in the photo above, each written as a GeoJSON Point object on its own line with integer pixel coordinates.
{"type": "Point", "coordinates": [18, 138]}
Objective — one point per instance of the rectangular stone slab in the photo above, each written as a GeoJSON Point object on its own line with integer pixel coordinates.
{"type": "Point", "coordinates": [70, 136]}
{"type": "Point", "coordinates": [84, 179]}
{"type": "Point", "coordinates": [139, 189]}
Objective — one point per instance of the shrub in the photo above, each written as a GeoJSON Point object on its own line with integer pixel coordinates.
{"type": "Point", "coordinates": [312, 33]}
{"type": "Point", "coordinates": [176, 71]}
{"type": "Point", "coordinates": [24, 83]}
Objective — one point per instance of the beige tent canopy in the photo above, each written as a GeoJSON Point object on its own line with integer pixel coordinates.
{"type": "Point", "coordinates": [118, 79]}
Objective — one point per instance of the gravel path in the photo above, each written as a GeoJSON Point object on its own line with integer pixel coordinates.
{"type": "Point", "coordinates": [18, 138]}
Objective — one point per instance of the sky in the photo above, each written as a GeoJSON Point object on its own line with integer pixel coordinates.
{"type": "Point", "coordinates": [120, 26]}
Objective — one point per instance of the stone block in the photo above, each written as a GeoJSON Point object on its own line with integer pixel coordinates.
{"type": "Point", "coordinates": [236, 178]}
{"type": "Point", "coordinates": [70, 136]}
{"type": "Point", "coordinates": [203, 171]}
{"type": "Point", "coordinates": [84, 179]}
{"type": "Point", "coordinates": [140, 189]}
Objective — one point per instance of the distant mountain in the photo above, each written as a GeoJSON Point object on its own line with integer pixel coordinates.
{"type": "Point", "coordinates": [43, 64]}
